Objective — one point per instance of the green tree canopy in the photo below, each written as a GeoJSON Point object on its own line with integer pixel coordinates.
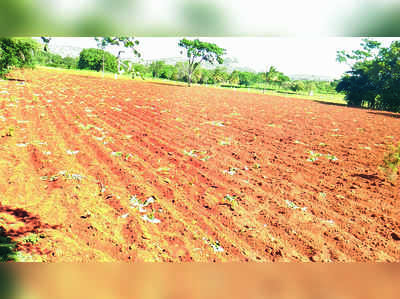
{"type": "Point", "coordinates": [198, 51]}
{"type": "Point", "coordinates": [234, 77]}
{"type": "Point", "coordinates": [219, 74]}
{"type": "Point", "coordinates": [246, 78]}
{"type": "Point", "coordinates": [156, 68]}
{"type": "Point", "coordinates": [272, 76]}
{"type": "Point", "coordinates": [16, 52]}
{"type": "Point", "coordinates": [374, 78]}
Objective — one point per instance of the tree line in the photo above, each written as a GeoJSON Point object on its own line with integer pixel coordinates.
{"type": "Point", "coordinates": [372, 82]}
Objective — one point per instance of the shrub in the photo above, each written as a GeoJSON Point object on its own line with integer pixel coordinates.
{"type": "Point", "coordinates": [297, 86]}
{"type": "Point", "coordinates": [55, 60]}
{"type": "Point", "coordinates": [92, 59]}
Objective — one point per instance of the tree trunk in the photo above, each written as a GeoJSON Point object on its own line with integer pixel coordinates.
{"type": "Point", "coordinates": [103, 63]}
{"type": "Point", "coordinates": [189, 74]}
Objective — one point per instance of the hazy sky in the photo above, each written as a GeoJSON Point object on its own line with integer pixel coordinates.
{"type": "Point", "coordinates": [301, 55]}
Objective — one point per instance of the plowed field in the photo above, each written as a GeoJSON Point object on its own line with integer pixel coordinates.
{"type": "Point", "coordinates": [97, 169]}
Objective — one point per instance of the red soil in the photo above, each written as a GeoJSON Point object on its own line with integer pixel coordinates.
{"type": "Point", "coordinates": [135, 139]}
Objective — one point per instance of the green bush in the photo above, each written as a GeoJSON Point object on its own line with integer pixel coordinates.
{"type": "Point", "coordinates": [92, 59]}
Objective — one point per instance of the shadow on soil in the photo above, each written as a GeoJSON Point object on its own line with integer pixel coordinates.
{"type": "Point", "coordinates": [334, 104]}
{"type": "Point", "coordinates": [166, 84]}
{"type": "Point", "coordinates": [371, 177]}
{"type": "Point", "coordinates": [389, 114]}
{"type": "Point", "coordinates": [7, 247]}
{"type": "Point", "coordinates": [15, 79]}
{"type": "Point", "coordinates": [31, 225]}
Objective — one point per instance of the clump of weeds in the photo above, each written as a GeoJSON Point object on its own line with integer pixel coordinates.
{"type": "Point", "coordinates": [391, 162]}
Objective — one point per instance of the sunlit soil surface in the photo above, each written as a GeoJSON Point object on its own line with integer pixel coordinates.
{"type": "Point", "coordinates": [107, 170]}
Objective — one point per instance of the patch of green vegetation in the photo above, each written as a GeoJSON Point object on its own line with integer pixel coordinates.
{"type": "Point", "coordinates": [9, 132]}
{"type": "Point", "coordinates": [116, 154]}
{"type": "Point", "coordinates": [191, 153]}
{"type": "Point", "coordinates": [391, 162]}
{"type": "Point", "coordinates": [87, 127]}
{"type": "Point", "coordinates": [232, 199]}
{"type": "Point", "coordinates": [32, 239]}
{"type": "Point", "coordinates": [231, 171]}
{"type": "Point", "coordinates": [313, 156]}
{"type": "Point", "coordinates": [225, 142]}
{"type": "Point", "coordinates": [331, 157]}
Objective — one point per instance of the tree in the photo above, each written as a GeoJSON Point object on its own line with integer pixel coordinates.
{"type": "Point", "coordinates": [140, 70]}
{"type": "Point", "coordinates": [374, 78]}
{"type": "Point", "coordinates": [156, 67]}
{"type": "Point", "coordinates": [198, 51]}
{"type": "Point", "coordinates": [167, 71]}
{"type": "Point", "coordinates": [219, 75]}
{"type": "Point", "coordinates": [181, 68]}
{"type": "Point", "coordinates": [245, 78]}
{"type": "Point", "coordinates": [205, 76]}
{"type": "Point", "coordinates": [91, 59]}
{"type": "Point", "coordinates": [125, 41]}
{"type": "Point", "coordinates": [297, 86]}
{"type": "Point", "coordinates": [46, 41]}
{"type": "Point", "coordinates": [234, 77]}
{"type": "Point", "coordinates": [16, 52]}
{"type": "Point", "coordinates": [102, 44]}
{"type": "Point", "coordinates": [54, 60]}
{"type": "Point", "coordinates": [282, 79]}
{"type": "Point", "coordinates": [70, 62]}
{"type": "Point", "coordinates": [272, 76]}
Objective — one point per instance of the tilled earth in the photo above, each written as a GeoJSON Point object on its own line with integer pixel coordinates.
{"type": "Point", "coordinates": [121, 170]}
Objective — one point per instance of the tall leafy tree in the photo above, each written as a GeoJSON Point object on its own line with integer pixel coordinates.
{"type": "Point", "coordinates": [272, 76]}
{"type": "Point", "coordinates": [198, 51]}
{"type": "Point", "coordinates": [156, 68]}
{"type": "Point", "coordinates": [234, 77]}
{"type": "Point", "coordinates": [125, 41]}
{"type": "Point", "coordinates": [16, 52]}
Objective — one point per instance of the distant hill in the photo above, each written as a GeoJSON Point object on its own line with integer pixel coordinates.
{"type": "Point", "coordinates": [311, 77]}
{"type": "Point", "coordinates": [229, 63]}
